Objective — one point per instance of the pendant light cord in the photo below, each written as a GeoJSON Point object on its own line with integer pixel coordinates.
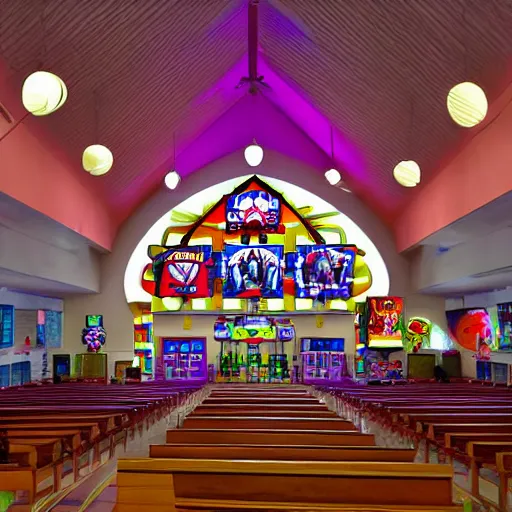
{"type": "Point", "coordinates": [332, 145]}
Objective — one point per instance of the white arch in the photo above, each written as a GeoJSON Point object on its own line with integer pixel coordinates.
{"type": "Point", "coordinates": [297, 196]}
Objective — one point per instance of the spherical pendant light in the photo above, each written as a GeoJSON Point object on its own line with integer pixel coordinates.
{"type": "Point", "coordinates": [467, 104]}
{"type": "Point", "coordinates": [172, 180]}
{"type": "Point", "coordinates": [97, 160]}
{"type": "Point", "coordinates": [333, 176]}
{"type": "Point", "coordinates": [43, 93]}
{"type": "Point", "coordinates": [407, 173]}
{"type": "Point", "coordinates": [253, 154]}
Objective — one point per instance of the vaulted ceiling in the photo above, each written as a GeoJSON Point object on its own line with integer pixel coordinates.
{"type": "Point", "coordinates": [140, 73]}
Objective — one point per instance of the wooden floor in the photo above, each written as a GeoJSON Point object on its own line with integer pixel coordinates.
{"type": "Point", "coordinates": [277, 448]}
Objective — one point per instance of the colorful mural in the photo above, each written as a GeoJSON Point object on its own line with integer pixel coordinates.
{"type": "Point", "coordinates": [417, 334]}
{"type": "Point", "coordinates": [254, 244]}
{"type": "Point", "coordinates": [472, 329]}
{"type": "Point", "coordinates": [385, 322]}
{"type": "Point", "coordinates": [504, 333]}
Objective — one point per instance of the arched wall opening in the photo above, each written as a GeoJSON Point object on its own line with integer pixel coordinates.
{"type": "Point", "coordinates": [112, 303]}
{"type": "Point", "coordinates": [196, 205]}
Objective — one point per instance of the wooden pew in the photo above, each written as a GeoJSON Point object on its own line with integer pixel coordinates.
{"type": "Point", "coordinates": [438, 430]}
{"type": "Point", "coordinates": [268, 406]}
{"type": "Point", "coordinates": [71, 438]}
{"type": "Point", "coordinates": [269, 436]}
{"type": "Point", "coordinates": [38, 452]}
{"type": "Point", "coordinates": [234, 422]}
{"type": "Point", "coordinates": [90, 417]}
{"type": "Point", "coordinates": [281, 452]}
{"type": "Point", "coordinates": [260, 401]}
{"type": "Point", "coordinates": [88, 431]}
{"type": "Point", "coordinates": [482, 452]}
{"type": "Point", "coordinates": [504, 467]}
{"type": "Point", "coordinates": [269, 413]}
{"type": "Point", "coordinates": [183, 484]}
{"type": "Point", "coordinates": [459, 417]}
{"type": "Point", "coordinates": [459, 440]}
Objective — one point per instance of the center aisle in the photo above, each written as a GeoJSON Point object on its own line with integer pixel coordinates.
{"type": "Point", "coordinates": [260, 447]}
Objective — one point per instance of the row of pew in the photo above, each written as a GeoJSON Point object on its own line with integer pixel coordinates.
{"type": "Point", "coordinates": [51, 436]}
{"type": "Point", "coordinates": [464, 422]}
{"type": "Point", "coordinates": [277, 448]}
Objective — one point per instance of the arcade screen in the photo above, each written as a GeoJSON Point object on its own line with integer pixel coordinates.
{"type": "Point", "coordinates": [94, 321]}
{"type": "Point", "coordinates": [183, 346]}
{"type": "Point", "coordinates": [323, 272]}
{"type": "Point", "coordinates": [254, 210]}
{"type": "Point", "coordinates": [253, 271]}
{"type": "Point", "coordinates": [322, 344]}
{"type": "Point", "coordinates": [171, 346]}
{"type": "Point", "coordinates": [184, 272]}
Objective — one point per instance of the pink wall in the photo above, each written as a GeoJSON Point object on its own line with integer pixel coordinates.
{"type": "Point", "coordinates": [37, 172]}
{"type": "Point", "coordinates": [480, 173]}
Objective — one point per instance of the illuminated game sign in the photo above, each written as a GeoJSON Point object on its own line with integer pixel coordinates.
{"type": "Point", "coordinates": [323, 272]}
{"type": "Point", "coordinates": [254, 210]}
{"type": "Point", "coordinates": [253, 271]}
{"type": "Point", "coordinates": [183, 272]}
{"type": "Point", "coordinates": [253, 329]}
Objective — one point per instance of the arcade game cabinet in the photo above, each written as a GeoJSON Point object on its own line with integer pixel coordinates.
{"type": "Point", "coordinates": [184, 358]}
{"type": "Point", "coordinates": [61, 368]}
{"type": "Point", "coordinates": [92, 366]}
{"type": "Point", "coordinates": [323, 359]}
{"type": "Point", "coordinates": [144, 344]}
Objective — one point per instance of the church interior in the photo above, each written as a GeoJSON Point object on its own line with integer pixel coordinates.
{"type": "Point", "coordinates": [254, 255]}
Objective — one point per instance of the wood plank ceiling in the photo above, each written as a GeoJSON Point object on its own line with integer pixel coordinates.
{"type": "Point", "coordinates": [379, 70]}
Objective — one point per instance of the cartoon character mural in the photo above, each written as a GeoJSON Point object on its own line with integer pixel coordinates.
{"type": "Point", "coordinates": [94, 334]}
{"type": "Point", "coordinates": [323, 272]}
{"type": "Point", "coordinates": [385, 370]}
{"type": "Point", "coordinates": [417, 334]}
{"type": "Point", "coordinates": [254, 210]}
{"type": "Point", "coordinates": [471, 328]}
{"type": "Point", "coordinates": [253, 271]}
{"type": "Point", "coordinates": [233, 267]}
{"type": "Point", "coordinates": [180, 272]}
{"type": "Point", "coordinates": [385, 321]}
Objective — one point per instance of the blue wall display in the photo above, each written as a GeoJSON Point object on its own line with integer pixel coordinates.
{"type": "Point", "coordinates": [6, 326]}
